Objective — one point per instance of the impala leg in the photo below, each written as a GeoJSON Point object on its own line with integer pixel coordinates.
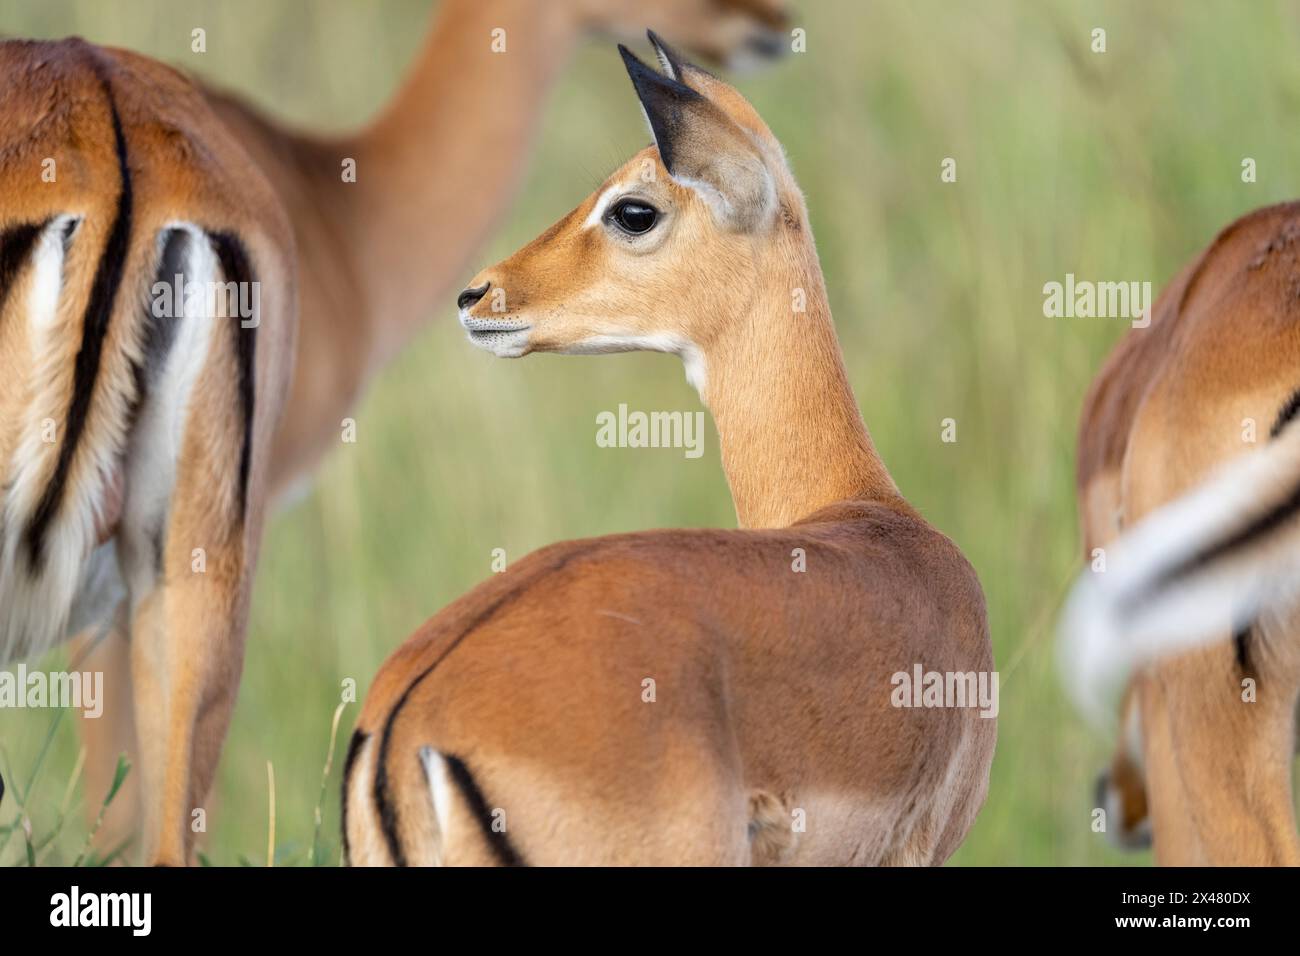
{"type": "Point", "coordinates": [1218, 768]}
{"type": "Point", "coordinates": [188, 550]}
{"type": "Point", "coordinates": [187, 654]}
{"type": "Point", "coordinates": [109, 735]}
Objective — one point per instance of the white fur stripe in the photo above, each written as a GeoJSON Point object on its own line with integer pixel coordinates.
{"type": "Point", "coordinates": [602, 204]}
{"type": "Point", "coordinates": [666, 64]}
{"type": "Point", "coordinates": [34, 609]}
{"type": "Point", "coordinates": [155, 445]}
{"type": "Point", "coordinates": [1130, 613]}
{"type": "Point", "coordinates": [435, 771]}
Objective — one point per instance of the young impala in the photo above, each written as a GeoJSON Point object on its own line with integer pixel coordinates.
{"type": "Point", "coordinates": [1208, 568]}
{"type": "Point", "coordinates": [690, 696]}
{"type": "Point", "coordinates": [366, 244]}
{"type": "Point", "coordinates": [136, 427]}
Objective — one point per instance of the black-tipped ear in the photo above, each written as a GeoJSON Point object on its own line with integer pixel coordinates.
{"type": "Point", "coordinates": [702, 148]}
{"type": "Point", "coordinates": [665, 102]}
{"type": "Point", "coordinates": [672, 62]}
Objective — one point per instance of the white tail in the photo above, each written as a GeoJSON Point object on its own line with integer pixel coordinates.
{"type": "Point", "coordinates": [1204, 565]}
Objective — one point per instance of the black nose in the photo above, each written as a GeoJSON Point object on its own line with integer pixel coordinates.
{"type": "Point", "coordinates": [467, 298]}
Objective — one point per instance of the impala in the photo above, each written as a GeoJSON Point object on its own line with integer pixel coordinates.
{"type": "Point", "coordinates": [1189, 489]}
{"type": "Point", "coordinates": [434, 172]}
{"type": "Point", "coordinates": [690, 696]}
{"type": "Point", "coordinates": [134, 444]}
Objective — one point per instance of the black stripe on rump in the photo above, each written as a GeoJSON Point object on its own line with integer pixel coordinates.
{"type": "Point", "coordinates": [94, 329]}
{"type": "Point", "coordinates": [502, 847]}
{"type": "Point", "coordinates": [359, 737]}
{"type": "Point", "coordinates": [160, 330]}
{"type": "Point", "coordinates": [1285, 414]}
{"type": "Point", "coordinates": [235, 268]}
{"type": "Point", "coordinates": [384, 805]}
{"type": "Point", "coordinates": [1241, 642]}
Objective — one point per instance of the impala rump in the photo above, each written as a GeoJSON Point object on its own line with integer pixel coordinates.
{"type": "Point", "coordinates": [90, 460]}
{"type": "Point", "coordinates": [96, 390]}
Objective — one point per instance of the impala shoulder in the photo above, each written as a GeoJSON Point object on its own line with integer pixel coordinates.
{"type": "Point", "coordinates": [892, 523]}
{"type": "Point", "coordinates": [895, 529]}
{"type": "Point", "coordinates": [940, 563]}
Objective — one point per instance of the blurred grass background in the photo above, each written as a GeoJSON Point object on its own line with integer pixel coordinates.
{"type": "Point", "coordinates": [1112, 166]}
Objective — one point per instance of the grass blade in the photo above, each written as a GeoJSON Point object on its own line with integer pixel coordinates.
{"type": "Point", "coordinates": [317, 853]}
{"type": "Point", "coordinates": [270, 829]}
{"type": "Point", "coordinates": [119, 775]}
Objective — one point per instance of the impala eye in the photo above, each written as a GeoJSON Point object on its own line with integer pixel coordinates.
{"type": "Point", "coordinates": [633, 216]}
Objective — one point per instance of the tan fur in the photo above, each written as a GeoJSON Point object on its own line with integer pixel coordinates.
{"type": "Point", "coordinates": [771, 837]}
{"type": "Point", "coordinates": [772, 688]}
{"type": "Point", "coordinates": [187, 630]}
{"type": "Point", "coordinates": [1169, 406]}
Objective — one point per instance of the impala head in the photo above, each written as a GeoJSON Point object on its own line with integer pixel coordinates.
{"type": "Point", "coordinates": [734, 33]}
{"type": "Point", "coordinates": [667, 254]}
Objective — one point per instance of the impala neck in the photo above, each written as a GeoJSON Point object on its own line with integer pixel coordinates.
{"type": "Point", "coordinates": [439, 167]}
{"type": "Point", "coordinates": [793, 440]}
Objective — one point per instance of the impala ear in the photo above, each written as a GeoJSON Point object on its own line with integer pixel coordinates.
{"type": "Point", "coordinates": [702, 148]}
{"type": "Point", "coordinates": [669, 59]}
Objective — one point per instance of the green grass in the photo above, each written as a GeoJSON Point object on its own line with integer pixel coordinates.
{"type": "Point", "coordinates": [1112, 166]}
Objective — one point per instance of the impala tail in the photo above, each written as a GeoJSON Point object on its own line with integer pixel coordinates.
{"type": "Point", "coordinates": [1201, 568]}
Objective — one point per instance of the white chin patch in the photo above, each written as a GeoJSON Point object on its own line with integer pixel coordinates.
{"type": "Point", "coordinates": [504, 338]}
{"type": "Point", "coordinates": [501, 344]}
